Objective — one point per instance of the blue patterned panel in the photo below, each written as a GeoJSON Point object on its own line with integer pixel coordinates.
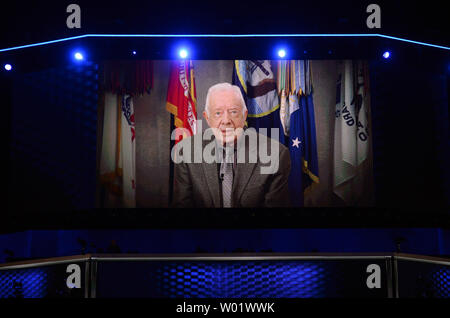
{"type": "Point", "coordinates": [424, 280]}
{"type": "Point", "coordinates": [237, 279]}
{"type": "Point", "coordinates": [30, 283]}
{"type": "Point", "coordinates": [440, 282]}
{"type": "Point", "coordinates": [242, 280]}
{"type": "Point", "coordinates": [39, 282]}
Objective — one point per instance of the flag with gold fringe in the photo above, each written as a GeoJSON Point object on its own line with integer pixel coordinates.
{"type": "Point", "coordinates": [283, 89]}
{"type": "Point", "coordinates": [295, 82]}
{"type": "Point", "coordinates": [182, 104]}
{"type": "Point", "coordinates": [181, 98]}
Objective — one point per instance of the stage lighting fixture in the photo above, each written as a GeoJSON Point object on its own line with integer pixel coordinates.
{"type": "Point", "coordinates": [8, 67]}
{"type": "Point", "coordinates": [281, 53]}
{"type": "Point", "coordinates": [183, 53]}
{"type": "Point", "coordinates": [78, 56]}
{"type": "Point", "coordinates": [134, 52]}
{"type": "Point", "coordinates": [386, 54]}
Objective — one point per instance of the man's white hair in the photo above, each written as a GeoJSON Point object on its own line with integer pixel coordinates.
{"type": "Point", "coordinates": [225, 87]}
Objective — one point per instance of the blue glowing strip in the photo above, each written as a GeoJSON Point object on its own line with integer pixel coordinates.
{"type": "Point", "coordinates": [43, 43]}
{"type": "Point", "coordinates": [222, 36]}
{"type": "Point", "coordinates": [414, 42]}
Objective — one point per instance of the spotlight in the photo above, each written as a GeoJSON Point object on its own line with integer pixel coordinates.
{"type": "Point", "coordinates": [281, 53]}
{"type": "Point", "coordinates": [8, 67]}
{"type": "Point", "coordinates": [183, 53]}
{"type": "Point", "coordinates": [134, 52]}
{"type": "Point", "coordinates": [386, 54]}
{"type": "Point", "coordinates": [78, 56]}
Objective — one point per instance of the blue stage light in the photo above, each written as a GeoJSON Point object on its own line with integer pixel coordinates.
{"type": "Point", "coordinates": [134, 52]}
{"type": "Point", "coordinates": [387, 54]}
{"type": "Point", "coordinates": [281, 53]}
{"type": "Point", "coordinates": [183, 53]}
{"type": "Point", "coordinates": [78, 56]}
{"type": "Point", "coordinates": [8, 67]}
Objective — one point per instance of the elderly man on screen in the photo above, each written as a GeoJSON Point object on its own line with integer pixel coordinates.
{"type": "Point", "coordinates": [247, 169]}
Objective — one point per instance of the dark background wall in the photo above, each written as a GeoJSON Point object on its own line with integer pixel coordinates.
{"type": "Point", "coordinates": [410, 120]}
{"type": "Point", "coordinates": [30, 21]}
{"type": "Point", "coordinates": [45, 243]}
{"type": "Point", "coordinates": [53, 121]}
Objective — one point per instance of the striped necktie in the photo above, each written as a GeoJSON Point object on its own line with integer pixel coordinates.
{"type": "Point", "coordinates": [226, 171]}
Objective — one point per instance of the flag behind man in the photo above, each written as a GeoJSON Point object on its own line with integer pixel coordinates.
{"type": "Point", "coordinates": [258, 86]}
{"type": "Point", "coordinates": [128, 152]}
{"type": "Point", "coordinates": [122, 81]}
{"type": "Point", "coordinates": [301, 131]}
{"type": "Point", "coordinates": [351, 135]}
{"type": "Point", "coordinates": [292, 112]}
{"type": "Point", "coordinates": [181, 98]}
{"type": "Point", "coordinates": [117, 167]}
{"type": "Point", "coordinates": [283, 89]}
{"type": "Point", "coordinates": [182, 104]}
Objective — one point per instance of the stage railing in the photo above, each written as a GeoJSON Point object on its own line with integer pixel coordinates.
{"type": "Point", "coordinates": [270, 275]}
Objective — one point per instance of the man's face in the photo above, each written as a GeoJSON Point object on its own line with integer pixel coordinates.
{"type": "Point", "coordinates": [225, 115]}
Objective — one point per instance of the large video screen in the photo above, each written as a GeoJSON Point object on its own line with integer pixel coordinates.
{"type": "Point", "coordinates": [235, 133]}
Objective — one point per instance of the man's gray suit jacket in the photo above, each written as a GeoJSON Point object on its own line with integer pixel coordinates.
{"type": "Point", "coordinates": [196, 185]}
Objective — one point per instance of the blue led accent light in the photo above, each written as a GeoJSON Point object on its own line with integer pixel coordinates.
{"type": "Point", "coordinates": [8, 67]}
{"type": "Point", "coordinates": [386, 54]}
{"type": "Point", "coordinates": [222, 36]}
